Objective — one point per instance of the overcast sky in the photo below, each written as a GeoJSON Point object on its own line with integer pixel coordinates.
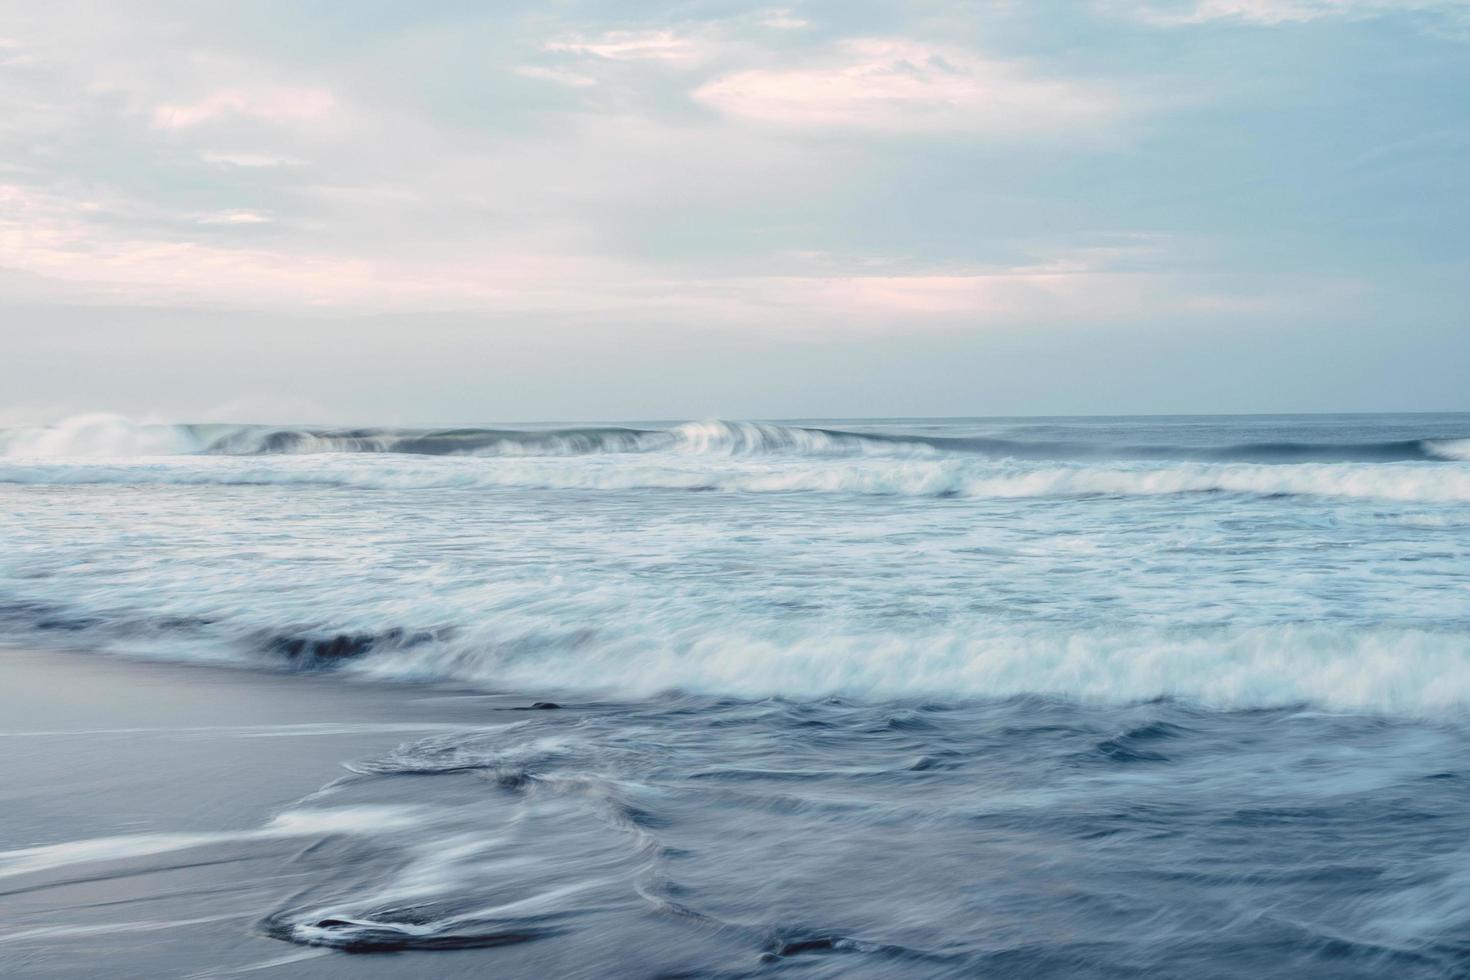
{"type": "Point", "coordinates": [451, 212]}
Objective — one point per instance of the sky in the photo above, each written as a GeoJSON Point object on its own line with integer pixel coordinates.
{"type": "Point", "coordinates": [453, 212]}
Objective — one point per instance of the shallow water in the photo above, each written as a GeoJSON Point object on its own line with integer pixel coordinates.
{"type": "Point", "coordinates": [1023, 838]}
{"type": "Point", "coordinates": [1068, 697]}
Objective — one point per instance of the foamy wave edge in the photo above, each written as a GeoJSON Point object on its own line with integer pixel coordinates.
{"type": "Point", "coordinates": [965, 478]}
{"type": "Point", "coordinates": [1390, 670]}
{"type": "Point", "coordinates": [1387, 669]}
{"type": "Point", "coordinates": [118, 437]}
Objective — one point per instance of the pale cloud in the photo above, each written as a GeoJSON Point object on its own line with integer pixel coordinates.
{"type": "Point", "coordinates": [64, 253]}
{"type": "Point", "coordinates": [732, 175]}
{"type": "Point", "coordinates": [631, 46]}
{"type": "Point", "coordinates": [557, 75]}
{"type": "Point", "coordinates": [277, 105]}
{"type": "Point", "coordinates": [1025, 296]}
{"type": "Point", "coordinates": [1131, 278]}
{"type": "Point", "coordinates": [249, 160]}
{"type": "Point", "coordinates": [234, 218]}
{"type": "Point", "coordinates": [901, 85]}
{"type": "Point", "coordinates": [1271, 12]}
{"type": "Point", "coordinates": [783, 20]}
{"type": "Point", "coordinates": [59, 251]}
{"type": "Point", "coordinates": [14, 55]}
{"type": "Point", "coordinates": [972, 298]}
{"type": "Point", "coordinates": [364, 195]}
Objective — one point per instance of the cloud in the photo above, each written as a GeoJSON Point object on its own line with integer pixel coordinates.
{"type": "Point", "coordinates": [631, 46]}
{"type": "Point", "coordinates": [624, 204]}
{"type": "Point", "coordinates": [970, 298]}
{"type": "Point", "coordinates": [1272, 12]}
{"type": "Point", "coordinates": [276, 105]}
{"type": "Point", "coordinates": [782, 20]}
{"type": "Point", "coordinates": [64, 253]}
{"type": "Point", "coordinates": [13, 55]}
{"type": "Point", "coordinates": [249, 160]}
{"type": "Point", "coordinates": [52, 247]}
{"type": "Point", "coordinates": [557, 75]}
{"type": "Point", "coordinates": [234, 218]}
{"type": "Point", "coordinates": [900, 85]}
{"type": "Point", "coordinates": [1134, 277]}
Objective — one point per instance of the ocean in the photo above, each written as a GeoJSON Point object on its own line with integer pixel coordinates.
{"type": "Point", "coordinates": [1045, 697]}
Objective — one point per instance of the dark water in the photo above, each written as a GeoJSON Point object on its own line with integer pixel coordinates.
{"type": "Point", "coordinates": [1018, 838]}
{"type": "Point", "coordinates": [1059, 697]}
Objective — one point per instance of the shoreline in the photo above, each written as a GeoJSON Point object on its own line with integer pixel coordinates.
{"type": "Point", "coordinates": [138, 800]}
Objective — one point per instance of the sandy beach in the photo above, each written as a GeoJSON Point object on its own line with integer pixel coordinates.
{"type": "Point", "coordinates": [137, 803]}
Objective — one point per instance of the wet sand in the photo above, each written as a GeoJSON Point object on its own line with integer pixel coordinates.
{"type": "Point", "coordinates": [137, 804]}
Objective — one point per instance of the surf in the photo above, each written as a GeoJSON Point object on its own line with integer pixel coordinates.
{"type": "Point", "coordinates": [102, 435]}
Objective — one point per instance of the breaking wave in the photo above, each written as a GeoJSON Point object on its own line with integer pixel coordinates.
{"type": "Point", "coordinates": [946, 697]}
{"type": "Point", "coordinates": [100, 435]}
{"type": "Point", "coordinates": [664, 559]}
{"type": "Point", "coordinates": [1391, 669]}
{"type": "Point", "coordinates": [936, 477]}
{"type": "Point", "coordinates": [1394, 670]}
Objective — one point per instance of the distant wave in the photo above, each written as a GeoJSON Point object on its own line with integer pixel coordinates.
{"type": "Point", "coordinates": [1455, 449]}
{"type": "Point", "coordinates": [113, 436]}
{"type": "Point", "coordinates": [940, 477]}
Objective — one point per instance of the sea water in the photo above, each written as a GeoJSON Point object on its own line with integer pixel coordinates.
{"type": "Point", "coordinates": [1036, 697]}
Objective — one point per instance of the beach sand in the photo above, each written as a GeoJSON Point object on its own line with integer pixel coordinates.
{"type": "Point", "coordinates": [137, 803]}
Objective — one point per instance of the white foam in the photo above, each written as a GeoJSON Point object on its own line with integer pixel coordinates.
{"type": "Point", "coordinates": [1394, 670]}
{"type": "Point", "coordinates": [294, 823]}
{"type": "Point", "coordinates": [106, 929]}
{"type": "Point", "coordinates": [1455, 449]}
{"type": "Point", "coordinates": [718, 438]}
{"type": "Point", "coordinates": [96, 435]}
{"type": "Point", "coordinates": [962, 477]}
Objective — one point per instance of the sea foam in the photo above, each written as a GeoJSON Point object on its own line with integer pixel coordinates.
{"type": "Point", "coordinates": [930, 477]}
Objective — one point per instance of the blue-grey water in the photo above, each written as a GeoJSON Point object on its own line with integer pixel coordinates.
{"type": "Point", "coordinates": [1067, 697]}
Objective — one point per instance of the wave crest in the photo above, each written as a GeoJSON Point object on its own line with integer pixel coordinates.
{"type": "Point", "coordinates": [1396, 670]}
{"type": "Point", "coordinates": [98, 435]}
{"type": "Point", "coordinates": [1451, 449]}
{"type": "Point", "coordinates": [94, 436]}
{"type": "Point", "coordinates": [935, 477]}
